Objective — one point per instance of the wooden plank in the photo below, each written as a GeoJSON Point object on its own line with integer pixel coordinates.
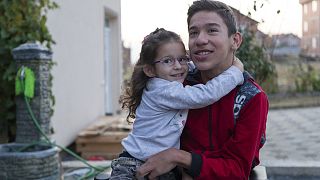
{"type": "Point", "coordinates": [106, 137]}
{"type": "Point", "coordinates": [104, 124]}
{"type": "Point", "coordinates": [103, 137]}
{"type": "Point", "coordinates": [107, 156]}
{"type": "Point", "coordinates": [92, 147]}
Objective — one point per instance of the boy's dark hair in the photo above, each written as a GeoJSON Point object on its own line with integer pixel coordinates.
{"type": "Point", "coordinates": [223, 10]}
{"type": "Point", "coordinates": [132, 95]}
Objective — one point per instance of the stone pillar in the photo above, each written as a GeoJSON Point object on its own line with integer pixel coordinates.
{"type": "Point", "coordinates": [38, 59]}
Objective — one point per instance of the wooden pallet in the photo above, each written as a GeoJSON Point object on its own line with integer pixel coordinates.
{"type": "Point", "coordinates": [103, 138]}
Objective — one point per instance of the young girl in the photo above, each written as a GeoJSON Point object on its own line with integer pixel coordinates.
{"type": "Point", "coordinates": [159, 102]}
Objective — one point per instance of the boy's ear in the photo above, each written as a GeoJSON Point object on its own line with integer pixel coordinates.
{"type": "Point", "coordinates": [149, 70]}
{"type": "Point", "coordinates": [236, 41]}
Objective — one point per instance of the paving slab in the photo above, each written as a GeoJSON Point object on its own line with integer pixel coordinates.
{"type": "Point", "coordinates": [293, 140]}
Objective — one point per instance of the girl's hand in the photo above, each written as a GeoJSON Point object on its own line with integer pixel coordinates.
{"type": "Point", "coordinates": [237, 63]}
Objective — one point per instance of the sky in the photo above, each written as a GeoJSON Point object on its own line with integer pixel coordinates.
{"type": "Point", "coordinates": [140, 17]}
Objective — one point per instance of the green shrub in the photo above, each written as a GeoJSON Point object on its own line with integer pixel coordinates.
{"type": "Point", "coordinates": [315, 80]}
{"type": "Point", "coordinates": [307, 78]}
{"type": "Point", "coordinates": [21, 21]}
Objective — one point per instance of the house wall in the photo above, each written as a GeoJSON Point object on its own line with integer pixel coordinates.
{"type": "Point", "coordinates": [310, 28]}
{"type": "Point", "coordinates": [77, 27]}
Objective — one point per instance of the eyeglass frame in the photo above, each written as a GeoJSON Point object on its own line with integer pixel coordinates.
{"type": "Point", "coordinates": [161, 60]}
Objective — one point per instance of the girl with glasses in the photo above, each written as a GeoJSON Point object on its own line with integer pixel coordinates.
{"type": "Point", "coordinates": [158, 101]}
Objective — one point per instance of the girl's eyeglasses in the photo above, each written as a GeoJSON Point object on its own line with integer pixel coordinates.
{"type": "Point", "coordinates": [170, 61]}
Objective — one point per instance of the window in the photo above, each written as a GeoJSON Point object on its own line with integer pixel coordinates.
{"type": "Point", "coordinates": [305, 8]}
{"type": "Point", "coordinates": [305, 26]}
{"type": "Point", "coordinates": [314, 43]}
{"type": "Point", "coordinates": [314, 5]}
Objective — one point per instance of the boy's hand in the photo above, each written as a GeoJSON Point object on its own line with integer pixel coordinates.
{"type": "Point", "coordinates": [237, 63]}
{"type": "Point", "coordinates": [157, 164]}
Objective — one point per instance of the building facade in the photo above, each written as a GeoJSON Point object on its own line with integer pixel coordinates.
{"type": "Point", "coordinates": [88, 72]}
{"type": "Point", "coordinates": [245, 22]}
{"type": "Point", "coordinates": [310, 43]}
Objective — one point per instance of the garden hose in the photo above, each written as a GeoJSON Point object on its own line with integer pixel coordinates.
{"type": "Point", "coordinates": [21, 88]}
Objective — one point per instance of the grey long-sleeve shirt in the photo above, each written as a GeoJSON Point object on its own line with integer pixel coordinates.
{"type": "Point", "coordinates": [163, 111]}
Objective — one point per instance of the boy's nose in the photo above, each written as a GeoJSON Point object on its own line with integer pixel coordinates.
{"type": "Point", "coordinates": [201, 39]}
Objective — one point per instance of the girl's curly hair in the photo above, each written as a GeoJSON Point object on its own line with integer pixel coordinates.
{"type": "Point", "coordinates": [131, 97]}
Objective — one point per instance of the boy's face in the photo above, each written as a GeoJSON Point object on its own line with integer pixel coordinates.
{"type": "Point", "coordinates": [210, 46]}
{"type": "Point", "coordinates": [176, 71]}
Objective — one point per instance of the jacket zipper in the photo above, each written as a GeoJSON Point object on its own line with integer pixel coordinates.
{"type": "Point", "coordinates": [210, 127]}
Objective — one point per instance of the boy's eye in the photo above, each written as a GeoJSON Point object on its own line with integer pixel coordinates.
{"type": "Point", "coordinates": [193, 33]}
{"type": "Point", "coordinates": [212, 30]}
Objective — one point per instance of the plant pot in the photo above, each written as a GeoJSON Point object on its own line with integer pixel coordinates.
{"type": "Point", "coordinates": [38, 162]}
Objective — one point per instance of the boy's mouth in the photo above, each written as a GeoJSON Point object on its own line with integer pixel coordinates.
{"type": "Point", "coordinates": [202, 52]}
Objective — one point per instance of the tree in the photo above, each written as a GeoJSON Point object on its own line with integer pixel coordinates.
{"type": "Point", "coordinates": [21, 21]}
{"type": "Point", "coordinates": [256, 61]}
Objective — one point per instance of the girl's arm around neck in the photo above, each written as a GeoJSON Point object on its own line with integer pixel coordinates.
{"type": "Point", "coordinates": [174, 96]}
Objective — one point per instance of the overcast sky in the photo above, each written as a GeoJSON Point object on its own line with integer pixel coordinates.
{"type": "Point", "coordinates": [140, 17]}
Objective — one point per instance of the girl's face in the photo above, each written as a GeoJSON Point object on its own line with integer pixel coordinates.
{"type": "Point", "coordinates": [171, 52]}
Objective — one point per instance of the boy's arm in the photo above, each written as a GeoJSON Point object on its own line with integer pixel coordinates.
{"type": "Point", "coordinates": [175, 96]}
{"type": "Point", "coordinates": [238, 152]}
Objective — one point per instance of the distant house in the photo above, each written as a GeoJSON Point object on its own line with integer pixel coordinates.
{"type": "Point", "coordinates": [278, 45]}
{"type": "Point", "coordinates": [285, 44]}
{"type": "Point", "coordinates": [88, 74]}
{"type": "Point", "coordinates": [310, 43]}
{"type": "Point", "coordinates": [244, 21]}
{"type": "Point", "coordinates": [247, 23]}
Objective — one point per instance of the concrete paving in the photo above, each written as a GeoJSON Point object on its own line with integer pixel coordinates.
{"type": "Point", "coordinates": [293, 141]}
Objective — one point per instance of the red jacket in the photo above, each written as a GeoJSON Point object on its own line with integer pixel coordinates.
{"type": "Point", "coordinates": [221, 148]}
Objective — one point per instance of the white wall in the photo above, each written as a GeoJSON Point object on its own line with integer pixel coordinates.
{"type": "Point", "coordinates": [78, 84]}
